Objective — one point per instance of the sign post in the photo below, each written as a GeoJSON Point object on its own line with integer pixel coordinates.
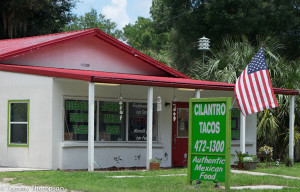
{"type": "Point", "coordinates": [209, 140]}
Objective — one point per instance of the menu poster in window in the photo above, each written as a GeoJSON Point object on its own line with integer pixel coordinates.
{"type": "Point", "coordinates": [138, 122]}
{"type": "Point", "coordinates": [76, 120]}
{"type": "Point", "coordinates": [112, 127]}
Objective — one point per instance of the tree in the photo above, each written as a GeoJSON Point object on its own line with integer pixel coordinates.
{"type": "Point", "coordinates": [143, 35]}
{"type": "Point", "coordinates": [140, 35]}
{"type": "Point", "coordinates": [191, 19]}
{"type": "Point", "coordinates": [21, 18]}
{"type": "Point", "coordinates": [93, 20]}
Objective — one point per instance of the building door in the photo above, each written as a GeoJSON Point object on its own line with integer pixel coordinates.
{"type": "Point", "coordinates": [180, 118]}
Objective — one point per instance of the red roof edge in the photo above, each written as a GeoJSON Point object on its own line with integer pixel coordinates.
{"type": "Point", "coordinates": [118, 78]}
{"type": "Point", "coordinates": [285, 91]}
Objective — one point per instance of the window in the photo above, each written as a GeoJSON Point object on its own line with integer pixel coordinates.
{"type": "Point", "coordinates": [109, 125]}
{"type": "Point", "coordinates": [18, 123]}
{"type": "Point", "coordinates": [76, 120]}
{"type": "Point", "coordinates": [235, 124]}
{"type": "Point", "coordinates": [182, 122]}
{"type": "Point", "coordinates": [112, 127]}
{"type": "Point", "coordinates": [137, 130]}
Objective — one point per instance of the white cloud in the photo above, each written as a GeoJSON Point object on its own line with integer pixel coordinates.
{"type": "Point", "coordinates": [139, 8]}
{"type": "Point", "coordinates": [116, 11]}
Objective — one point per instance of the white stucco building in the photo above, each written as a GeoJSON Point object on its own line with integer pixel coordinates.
{"type": "Point", "coordinates": [48, 82]}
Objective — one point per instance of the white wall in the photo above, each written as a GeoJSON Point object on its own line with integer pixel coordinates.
{"type": "Point", "coordinates": [74, 154]}
{"type": "Point", "coordinates": [76, 54]}
{"type": "Point", "coordinates": [38, 90]}
{"type": "Point", "coordinates": [47, 115]}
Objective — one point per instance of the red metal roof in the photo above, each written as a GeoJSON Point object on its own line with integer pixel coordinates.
{"type": "Point", "coordinates": [13, 47]}
{"type": "Point", "coordinates": [106, 77]}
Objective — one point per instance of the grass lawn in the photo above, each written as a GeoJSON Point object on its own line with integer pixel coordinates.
{"type": "Point", "coordinates": [101, 181]}
{"type": "Point", "coordinates": [280, 170]}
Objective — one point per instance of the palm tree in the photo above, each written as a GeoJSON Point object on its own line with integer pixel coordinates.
{"type": "Point", "coordinates": [228, 61]}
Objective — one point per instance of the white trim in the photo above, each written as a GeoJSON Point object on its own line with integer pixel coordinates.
{"type": "Point", "coordinates": [70, 144]}
{"type": "Point", "coordinates": [127, 122]}
{"type": "Point", "coordinates": [91, 126]}
{"type": "Point", "coordinates": [197, 93]}
{"type": "Point", "coordinates": [97, 120]}
{"type": "Point", "coordinates": [149, 126]}
{"type": "Point", "coordinates": [242, 133]}
{"type": "Point", "coordinates": [291, 127]}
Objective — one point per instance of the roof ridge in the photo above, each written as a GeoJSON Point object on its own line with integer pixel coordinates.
{"type": "Point", "coordinates": [48, 35]}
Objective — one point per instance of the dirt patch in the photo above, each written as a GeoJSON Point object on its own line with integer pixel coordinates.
{"type": "Point", "coordinates": [7, 180]}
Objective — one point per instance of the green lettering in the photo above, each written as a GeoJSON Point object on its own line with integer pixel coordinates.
{"type": "Point", "coordinates": [86, 129]}
{"type": "Point", "coordinates": [67, 105]}
{"type": "Point", "coordinates": [75, 129]}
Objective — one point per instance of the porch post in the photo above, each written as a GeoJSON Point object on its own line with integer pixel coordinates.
{"type": "Point", "coordinates": [149, 126]}
{"type": "Point", "coordinates": [197, 93]}
{"type": "Point", "coordinates": [91, 127]}
{"type": "Point", "coordinates": [291, 127]}
{"type": "Point", "coordinates": [242, 133]}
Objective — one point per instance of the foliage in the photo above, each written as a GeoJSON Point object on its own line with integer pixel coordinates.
{"type": "Point", "coordinates": [247, 159]}
{"type": "Point", "coordinates": [188, 20]}
{"type": "Point", "coordinates": [267, 153]}
{"type": "Point", "coordinates": [266, 150]}
{"type": "Point", "coordinates": [227, 61]}
{"type": "Point", "coordinates": [21, 18]}
{"type": "Point", "coordinates": [142, 35]}
{"type": "Point", "coordinates": [241, 156]}
{"type": "Point", "coordinates": [288, 161]}
{"type": "Point", "coordinates": [155, 160]}
{"type": "Point", "coordinates": [93, 20]}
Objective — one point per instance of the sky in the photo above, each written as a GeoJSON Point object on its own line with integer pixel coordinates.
{"type": "Point", "coordinates": [121, 12]}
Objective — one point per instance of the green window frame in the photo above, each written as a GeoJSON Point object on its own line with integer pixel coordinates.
{"type": "Point", "coordinates": [18, 123]}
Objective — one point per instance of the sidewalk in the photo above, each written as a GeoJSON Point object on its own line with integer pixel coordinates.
{"type": "Point", "coordinates": [14, 169]}
{"type": "Point", "coordinates": [263, 174]}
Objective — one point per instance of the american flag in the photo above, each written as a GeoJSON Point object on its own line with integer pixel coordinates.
{"type": "Point", "coordinates": [253, 89]}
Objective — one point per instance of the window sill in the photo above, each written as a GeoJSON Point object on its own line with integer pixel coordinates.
{"type": "Point", "coordinates": [124, 144]}
{"type": "Point", "coordinates": [17, 145]}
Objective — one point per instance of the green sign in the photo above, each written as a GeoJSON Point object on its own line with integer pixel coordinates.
{"type": "Point", "coordinates": [209, 140]}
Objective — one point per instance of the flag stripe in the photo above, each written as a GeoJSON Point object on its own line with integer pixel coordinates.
{"type": "Point", "coordinates": [251, 96]}
{"type": "Point", "coordinates": [244, 94]}
{"type": "Point", "coordinates": [256, 92]}
{"type": "Point", "coordinates": [240, 101]}
{"type": "Point", "coordinates": [260, 79]}
{"type": "Point", "coordinates": [269, 86]}
{"type": "Point", "coordinates": [260, 88]}
{"type": "Point", "coordinates": [265, 89]}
